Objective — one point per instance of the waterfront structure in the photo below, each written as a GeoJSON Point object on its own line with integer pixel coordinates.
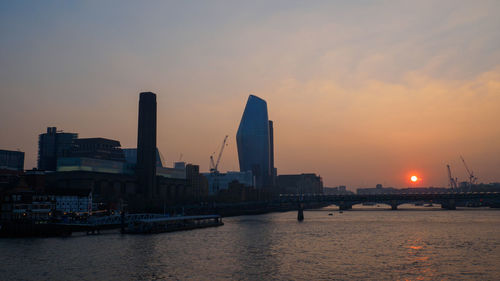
{"type": "Point", "coordinates": [146, 145]}
{"type": "Point", "coordinates": [222, 181]}
{"type": "Point", "coordinates": [71, 200]}
{"type": "Point", "coordinates": [253, 141]}
{"type": "Point", "coordinates": [52, 145]}
{"type": "Point", "coordinates": [11, 160]}
{"type": "Point", "coordinates": [300, 184]}
{"type": "Point", "coordinates": [25, 204]}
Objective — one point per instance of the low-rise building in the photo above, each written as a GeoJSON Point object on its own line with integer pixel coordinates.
{"type": "Point", "coordinates": [338, 190]}
{"type": "Point", "coordinates": [379, 189]}
{"type": "Point", "coordinates": [300, 184]}
{"type": "Point", "coordinates": [71, 200]}
{"type": "Point", "coordinates": [26, 205]}
{"type": "Point", "coordinates": [220, 181]}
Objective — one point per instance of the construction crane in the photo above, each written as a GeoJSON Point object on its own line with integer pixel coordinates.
{"type": "Point", "coordinates": [453, 181]}
{"type": "Point", "coordinates": [215, 165]}
{"type": "Point", "coordinates": [472, 178]}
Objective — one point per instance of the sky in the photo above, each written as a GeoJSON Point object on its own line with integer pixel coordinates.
{"type": "Point", "coordinates": [360, 92]}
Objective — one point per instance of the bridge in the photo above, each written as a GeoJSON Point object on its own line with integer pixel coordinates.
{"type": "Point", "coordinates": [448, 200]}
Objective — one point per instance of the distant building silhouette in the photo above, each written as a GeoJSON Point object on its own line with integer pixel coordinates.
{"type": "Point", "coordinates": [11, 160]}
{"type": "Point", "coordinates": [221, 181]}
{"type": "Point", "coordinates": [52, 145]}
{"type": "Point", "coordinates": [198, 183]}
{"type": "Point", "coordinates": [146, 145]}
{"type": "Point", "coordinates": [253, 141]}
{"type": "Point", "coordinates": [338, 190]}
{"type": "Point", "coordinates": [300, 184]}
{"type": "Point", "coordinates": [98, 148]}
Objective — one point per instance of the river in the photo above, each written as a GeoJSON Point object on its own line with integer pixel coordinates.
{"type": "Point", "coordinates": [380, 244]}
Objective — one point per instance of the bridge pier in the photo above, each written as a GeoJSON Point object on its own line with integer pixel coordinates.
{"type": "Point", "coordinates": [450, 205]}
{"type": "Point", "coordinates": [122, 222]}
{"type": "Point", "coordinates": [300, 215]}
{"type": "Point", "coordinates": [344, 206]}
{"type": "Point", "coordinates": [394, 205]}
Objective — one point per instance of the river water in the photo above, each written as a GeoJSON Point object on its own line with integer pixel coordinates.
{"type": "Point", "coordinates": [411, 244]}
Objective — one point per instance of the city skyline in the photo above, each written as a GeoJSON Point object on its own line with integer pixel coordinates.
{"type": "Point", "coordinates": [358, 100]}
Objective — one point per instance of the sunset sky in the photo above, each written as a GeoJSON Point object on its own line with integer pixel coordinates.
{"type": "Point", "coordinates": [360, 92]}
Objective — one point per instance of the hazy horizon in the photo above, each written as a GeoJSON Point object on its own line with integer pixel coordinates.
{"type": "Point", "coordinates": [360, 93]}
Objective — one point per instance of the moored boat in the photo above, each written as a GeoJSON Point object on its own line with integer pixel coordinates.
{"type": "Point", "coordinates": [168, 224]}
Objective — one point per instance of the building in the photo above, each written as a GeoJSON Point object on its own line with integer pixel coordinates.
{"type": "Point", "coordinates": [71, 200]}
{"type": "Point", "coordinates": [300, 184]}
{"type": "Point", "coordinates": [51, 146]}
{"type": "Point", "coordinates": [98, 148]}
{"type": "Point", "coordinates": [274, 172]}
{"type": "Point", "coordinates": [173, 173]}
{"type": "Point", "coordinates": [146, 145]}
{"type": "Point", "coordinates": [254, 142]}
{"type": "Point", "coordinates": [198, 183]}
{"type": "Point", "coordinates": [68, 164]}
{"type": "Point", "coordinates": [108, 189]}
{"type": "Point", "coordinates": [379, 189]}
{"type": "Point", "coordinates": [221, 181]}
{"type": "Point", "coordinates": [24, 204]}
{"type": "Point", "coordinates": [95, 155]}
{"type": "Point", "coordinates": [338, 190]}
{"type": "Point", "coordinates": [11, 160]}
{"type": "Point", "coordinates": [131, 157]}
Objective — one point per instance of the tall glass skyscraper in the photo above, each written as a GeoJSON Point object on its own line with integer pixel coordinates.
{"type": "Point", "coordinates": [254, 143]}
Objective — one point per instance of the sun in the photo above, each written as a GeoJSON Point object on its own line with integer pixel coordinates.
{"type": "Point", "coordinates": [414, 178]}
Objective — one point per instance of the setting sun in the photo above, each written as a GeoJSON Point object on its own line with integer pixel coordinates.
{"type": "Point", "coordinates": [413, 178]}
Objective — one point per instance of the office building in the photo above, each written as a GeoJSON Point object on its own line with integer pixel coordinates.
{"type": "Point", "coordinates": [52, 145]}
{"type": "Point", "coordinates": [11, 160]}
{"type": "Point", "coordinates": [253, 141]}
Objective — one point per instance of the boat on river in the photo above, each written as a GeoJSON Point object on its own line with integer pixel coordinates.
{"type": "Point", "coordinates": [168, 224]}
